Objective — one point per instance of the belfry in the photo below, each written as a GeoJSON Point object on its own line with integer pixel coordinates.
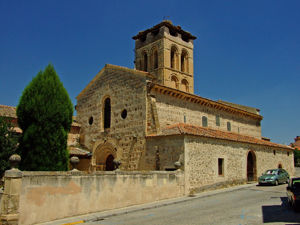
{"type": "Point", "coordinates": [166, 51]}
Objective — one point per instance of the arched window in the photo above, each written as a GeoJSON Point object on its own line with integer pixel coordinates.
{"type": "Point", "coordinates": [228, 126]}
{"type": "Point", "coordinates": [107, 113]}
{"type": "Point", "coordinates": [204, 121]}
{"type": "Point", "coordinates": [174, 57]}
{"type": "Point", "coordinates": [155, 56]}
{"type": "Point", "coordinates": [174, 82]}
{"type": "Point", "coordinates": [184, 61]}
{"type": "Point", "coordinates": [185, 85]}
{"type": "Point", "coordinates": [145, 62]}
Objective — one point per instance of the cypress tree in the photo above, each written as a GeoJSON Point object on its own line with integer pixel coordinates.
{"type": "Point", "coordinates": [45, 117]}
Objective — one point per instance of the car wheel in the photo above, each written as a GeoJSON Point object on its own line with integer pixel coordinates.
{"type": "Point", "coordinates": [276, 182]}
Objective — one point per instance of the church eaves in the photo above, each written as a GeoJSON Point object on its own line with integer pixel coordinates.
{"type": "Point", "coordinates": [182, 129]}
{"type": "Point", "coordinates": [184, 96]}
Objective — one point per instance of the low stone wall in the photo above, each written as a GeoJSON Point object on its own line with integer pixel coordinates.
{"type": "Point", "coordinates": [47, 196]}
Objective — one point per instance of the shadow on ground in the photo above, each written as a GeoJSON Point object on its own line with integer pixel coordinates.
{"type": "Point", "coordinates": [280, 213]}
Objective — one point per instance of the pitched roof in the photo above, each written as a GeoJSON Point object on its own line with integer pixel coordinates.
{"type": "Point", "coordinates": [181, 128]}
{"type": "Point", "coordinates": [202, 101]}
{"type": "Point", "coordinates": [8, 111]}
{"type": "Point", "coordinates": [120, 68]}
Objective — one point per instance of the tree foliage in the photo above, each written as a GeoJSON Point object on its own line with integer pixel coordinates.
{"type": "Point", "coordinates": [45, 116]}
{"type": "Point", "coordinates": [297, 157]}
{"type": "Point", "coordinates": [8, 144]}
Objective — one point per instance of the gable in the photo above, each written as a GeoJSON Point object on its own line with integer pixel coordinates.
{"type": "Point", "coordinates": [117, 69]}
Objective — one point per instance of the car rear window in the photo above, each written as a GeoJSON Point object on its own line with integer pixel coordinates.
{"type": "Point", "coordinates": [271, 172]}
{"type": "Point", "coordinates": [296, 184]}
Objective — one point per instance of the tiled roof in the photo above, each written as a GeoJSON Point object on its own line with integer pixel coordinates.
{"type": "Point", "coordinates": [75, 123]}
{"type": "Point", "coordinates": [8, 111]}
{"type": "Point", "coordinates": [78, 151]}
{"type": "Point", "coordinates": [180, 128]}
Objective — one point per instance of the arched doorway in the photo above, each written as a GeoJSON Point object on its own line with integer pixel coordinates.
{"type": "Point", "coordinates": [103, 157]}
{"type": "Point", "coordinates": [280, 166]}
{"type": "Point", "coordinates": [251, 166]}
{"type": "Point", "coordinates": [109, 163]}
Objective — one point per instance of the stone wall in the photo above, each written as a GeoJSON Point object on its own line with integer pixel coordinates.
{"type": "Point", "coordinates": [126, 89]}
{"type": "Point", "coordinates": [162, 152]}
{"type": "Point", "coordinates": [47, 196]}
{"type": "Point", "coordinates": [171, 110]}
{"type": "Point", "coordinates": [201, 161]}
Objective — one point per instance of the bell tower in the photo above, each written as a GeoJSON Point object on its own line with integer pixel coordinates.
{"type": "Point", "coordinates": [166, 51]}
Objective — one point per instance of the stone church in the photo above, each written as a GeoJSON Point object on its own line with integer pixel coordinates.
{"type": "Point", "coordinates": [149, 118]}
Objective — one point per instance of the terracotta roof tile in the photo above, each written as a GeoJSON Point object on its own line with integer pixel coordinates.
{"type": "Point", "coordinates": [8, 111]}
{"type": "Point", "coordinates": [180, 128]}
{"type": "Point", "coordinates": [78, 151]}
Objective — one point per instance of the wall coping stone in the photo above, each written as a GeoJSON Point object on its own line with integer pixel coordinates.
{"type": "Point", "coordinates": [13, 173]}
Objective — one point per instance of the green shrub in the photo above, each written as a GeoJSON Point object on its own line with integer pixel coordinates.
{"type": "Point", "coordinates": [8, 144]}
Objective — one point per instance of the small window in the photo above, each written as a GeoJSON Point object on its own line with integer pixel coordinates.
{"type": "Point", "coordinates": [288, 153]}
{"type": "Point", "coordinates": [221, 166]}
{"type": "Point", "coordinates": [124, 114]}
{"type": "Point", "coordinates": [204, 121]}
{"type": "Point", "coordinates": [184, 118]}
{"type": "Point", "coordinates": [217, 120]}
{"type": "Point", "coordinates": [228, 126]}
{"type": "Point", "coordinates": [274, 152]}
{"type": "Point", "coordinates": [91, 120]}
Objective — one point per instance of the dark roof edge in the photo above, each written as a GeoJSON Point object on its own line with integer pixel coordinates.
{"type": "Point", "coordinates": [168, 24]}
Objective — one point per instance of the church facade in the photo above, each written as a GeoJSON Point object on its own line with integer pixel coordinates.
{"type": "Point", "coordinates": [149, 118]}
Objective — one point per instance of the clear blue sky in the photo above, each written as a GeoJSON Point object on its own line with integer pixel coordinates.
{"type": "Point", "coordinates": [247, 52]}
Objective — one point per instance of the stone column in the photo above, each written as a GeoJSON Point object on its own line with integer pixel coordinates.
{"type": "Point", "coordinates": [11, 195]}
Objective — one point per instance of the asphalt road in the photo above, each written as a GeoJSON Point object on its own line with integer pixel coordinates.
{"type": "Point", "coordinates": [251, 205]}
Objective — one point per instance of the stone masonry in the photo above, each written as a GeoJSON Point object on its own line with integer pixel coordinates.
{"type": "Point", "coordinates": [148, 118]}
